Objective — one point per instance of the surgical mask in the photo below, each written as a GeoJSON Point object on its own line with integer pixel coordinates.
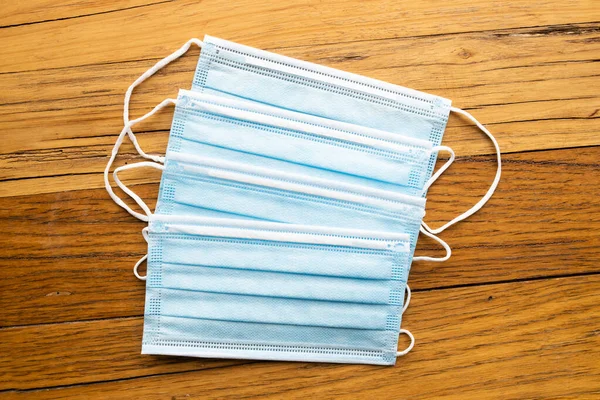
{"type": "Point", "coordinates": [409, 114]}
{"type": "Point", "coordinates": [237, 71]}
{"type": "Point", "coordinates": [198, 186]}
{"type": "Point", "coordinates": [288, 141]}
{"type": "Point", "coordinates": [184, 172]}
{"type": "Point", "coordinates": [261, 290]}
{"type": "Point", "coordinates": [191, 198]}
{"type": "Point", "coordinates": [231, 69]}
{"type": "Point", "coordinates": [266, 136]}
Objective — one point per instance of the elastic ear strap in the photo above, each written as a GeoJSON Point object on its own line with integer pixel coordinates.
{"type": "Point", "coordinates": [405, 331]}
{"type": "Point", "coordinates": [141, 260]}
{"type": "Point", "coordinates": [408, 296]}
{"type": "Point", "coordinates": [410, 346]}
{"type": "Point", "coordinates": [115, 151]}
{"type": "Point", "coordinates": [440, 241]}
{"type": "Point", "coordinates": [130, 192]}
{"type": "Point", "coordinates": [443, 168]}
{"type": "Point", "coordinates": [137, 265]}
{"type": "Point", "coordinates": [492, 188]}
{"type": "Point", "coordinates": [159, 65]}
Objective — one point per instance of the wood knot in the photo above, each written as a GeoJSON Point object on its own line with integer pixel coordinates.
{"type": "Point", "coordinates": [464, 54]}
{"type": "Point", "coordinates": [59, 294]}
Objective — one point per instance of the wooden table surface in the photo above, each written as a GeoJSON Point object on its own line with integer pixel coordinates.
{"type": "Point", "coordinates": [514, 314]}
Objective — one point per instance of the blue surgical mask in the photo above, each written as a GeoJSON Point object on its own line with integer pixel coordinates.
{"type": "Point", "coordinates": [260, 290]}
{"type": "Point", "coordinates": [319, 92]}
{"type": "Point", "coordinates": [252, 133]}
{"type": "Point", "coordinates": [288, 141]}
{"type": "Point", "coordinates": [204, 187]}
{"type": "Point", "coordinates": [231, 70]}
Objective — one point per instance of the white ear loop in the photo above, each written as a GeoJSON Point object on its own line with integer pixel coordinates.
{"type": "Point", "coordinates": [406, 331]}
{"type": "Point", "coordinates": [159, 65]}
{"type": "Point", "coordinates": [408, 296]}
{"type": "Point", "coordinates": [141, 260]}
{"type": "Point", "coordinates": [440, 241]}
{"type": "Point", "coordinates": [115, 151]}
{"type": "Point", "coordinates": [130, 192]}
{"type": "Point", "coordinates": [490, 191]}
{"type": "Point", "coordinates": [410, 346]}
{"type": "Point", "coordinates": [443, 168]}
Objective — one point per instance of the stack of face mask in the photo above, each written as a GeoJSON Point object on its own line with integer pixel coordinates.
{"type": "Point", "coordinates": [291, 199]}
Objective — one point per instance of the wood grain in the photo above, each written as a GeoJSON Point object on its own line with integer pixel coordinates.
{"type": "Point", "coordinates": [495, 74]}
{"type": "Point", "coordinates": [512, 315]}
{"type": "Point", "coordinates": [106, 350]}
{"type": "Point", "coordinates": [535, 339]}
{"type": "Point", "coordinates": [127, 35]}
{"type": "Point", "coordinates": [45, 11]}
{"type": "Point", "coordinates": [84, 245]}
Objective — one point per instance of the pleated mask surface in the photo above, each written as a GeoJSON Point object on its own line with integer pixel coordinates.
{"type": "Point", "coordinates": [266, 136]}
{"type": "Point", "coordinates": [260, 290]}
{"type": "Point", "coordinates": [205, 187]}
{"type": "Point", "coordinates": [230, 70]}
{"type": "Point", "coordinates": [262, 144]}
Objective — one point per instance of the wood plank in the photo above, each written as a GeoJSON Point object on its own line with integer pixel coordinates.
{"type": "Point", "coordinates": [415, 62]}
{"type": "Point", "coordinates": [81, 109]}
{"type": "Point", "coordinates": [492, 68]}
{"type": "Point", "coordinates": [131, 34]}
{"type": "Point", "coordinates": [536, 339]}
{"type": "Point", "coordinates": [83, 352]}
{"type": "Point", "coordinates": [512, 315]}
{"type": "Point", "coordinates": [542, 221]}
{"type": "Point", "coordinates": [40, 11]}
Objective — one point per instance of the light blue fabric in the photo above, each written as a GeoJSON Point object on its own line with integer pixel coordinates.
{"type": "Point", "coordinates": [197, 186]}
{"type": "Point", "coordinates": [234, 70]}
{"type": "Point", "coordinates": [262, 144]}
{"type": "Point", "coordinates": [254, 289]}
{"type": "Point", "coordinates": [256, 134]}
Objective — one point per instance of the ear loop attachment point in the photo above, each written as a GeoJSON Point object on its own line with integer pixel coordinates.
{"type": "Point", "coordinates": [408, 296]}
{"type": "Point", "coordinates": [141, 260]}
{"type": "Point", "coordinates": [493, 186]}
{"type": "Point", "coordinates": [410, 346]}
{"type": "Point", "coordinates": [443, 168]}
{"type": "Point", "coordinates": [130, 192]}
{"type": "Point", "coordinates": [115, 151]}
{"type": "Point", "coordinates": [156, 67]}
{"type": "Point", "coordinates": [440, 241]}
